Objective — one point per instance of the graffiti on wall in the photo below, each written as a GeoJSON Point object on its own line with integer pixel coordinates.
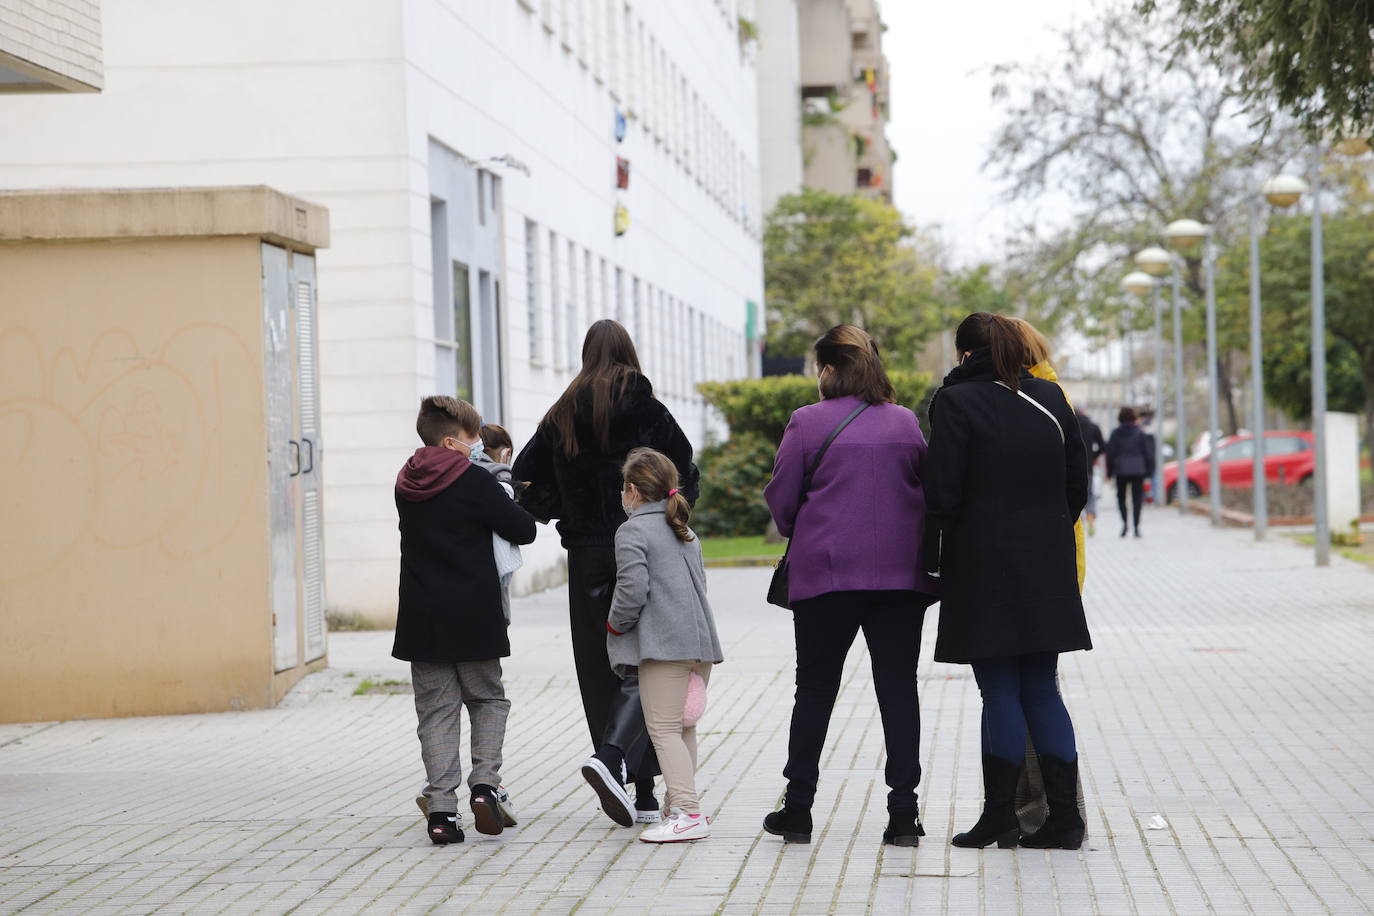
{"type": "Point", "coordinates": [121, 446]}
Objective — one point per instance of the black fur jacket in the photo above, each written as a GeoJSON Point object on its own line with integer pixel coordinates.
{"type": "Point", "coordinates": [583, 493]}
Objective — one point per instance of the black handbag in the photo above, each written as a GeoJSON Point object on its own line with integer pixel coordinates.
{"type": "Point", "coordinates": [778, 586]}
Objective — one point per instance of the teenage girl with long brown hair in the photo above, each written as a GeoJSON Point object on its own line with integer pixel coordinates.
{"type": "Point", "coordinates": [571, 471]}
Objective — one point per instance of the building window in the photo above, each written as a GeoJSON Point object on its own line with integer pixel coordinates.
{"type": "Point", "coordinates": [532, 287]}
{"type": "Point", "coordinates": [555, 295]}
{"type": "Point", "coordinates": [570, 333]}
{"type": "Point", "coordinates": [589, 284]}
{"type": "Point", "coordinates": [620, 297]}
{"type": "Point", "coordinates": [636, 318]}
{"type": "Point", "coordinates": [863, 177]}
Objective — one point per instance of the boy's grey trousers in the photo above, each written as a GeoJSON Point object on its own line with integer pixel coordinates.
{"type": "Point", "coordinates": [441, 690]}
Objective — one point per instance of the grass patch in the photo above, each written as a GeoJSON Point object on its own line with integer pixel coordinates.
{"type": "Point", "coordinates": [347, 622]}
{"type": "Point", "coordinates": [737, 548]}
{"type": "Point", "coordinates": [369, 686]}
{"type": "Point", "coordinates": [1364, 553]}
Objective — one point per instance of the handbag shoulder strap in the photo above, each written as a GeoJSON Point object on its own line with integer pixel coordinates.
{"type": "Point", "coordinates": [1040, 407]}
{"type": "Point", "coordinates": [816, 462]}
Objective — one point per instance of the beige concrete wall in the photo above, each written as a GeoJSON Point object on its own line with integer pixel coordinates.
{"type": "Point", "coordinates": [826, 56]}
{"type": "Point", "coordinates": [50, 45]}
{"type": "Point", "coordinates": [133, 549]}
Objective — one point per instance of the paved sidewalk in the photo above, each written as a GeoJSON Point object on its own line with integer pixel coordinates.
{"type": "Point", "coordinates": [1230, 695]}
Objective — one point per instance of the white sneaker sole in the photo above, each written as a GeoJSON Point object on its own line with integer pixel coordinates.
{"type": "Point", "coordinates": [648, 817]}
{"type": "Point", "coordinates": [614, 800]}
{"type": "Point", "coordinates": [668, 838]}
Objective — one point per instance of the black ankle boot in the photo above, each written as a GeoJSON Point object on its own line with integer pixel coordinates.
{"type": "Point", "coordinates": [792, 824]}
{"type": "Point", "coordinates": [998, 823]}
{"type": "Point", "coordinates": [1064, 827]}
{"type": "Point", "coordinates": [903, 830]}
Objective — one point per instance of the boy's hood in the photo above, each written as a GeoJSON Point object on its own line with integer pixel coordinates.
{"type": "Point", "coordinates": [429, 472]}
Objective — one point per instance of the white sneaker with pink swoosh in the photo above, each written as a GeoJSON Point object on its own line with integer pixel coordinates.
{"type": "Point", "coordinates": [678, 827]}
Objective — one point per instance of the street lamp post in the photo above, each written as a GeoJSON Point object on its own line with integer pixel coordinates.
{"type": "Point", "coordinates": [1181, 419]}
{"type": "Point", "coordinates": [1281, 191]}
{"type": "Point", "coordinates": [1185, 234]}
{"type": "Point", "coordinates": [1322, 532]}
{"type": "Point", "coordinates": [1155, 262]}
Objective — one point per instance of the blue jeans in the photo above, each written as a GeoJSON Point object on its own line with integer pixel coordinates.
{"type": "Point", "coordinates": [1019, 693]}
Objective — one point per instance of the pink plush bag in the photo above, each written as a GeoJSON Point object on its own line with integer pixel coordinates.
{"type": "Point", "coordinates": [695, 704]}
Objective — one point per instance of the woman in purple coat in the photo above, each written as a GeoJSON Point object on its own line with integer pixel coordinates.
{"type": "Point", "coordinates": [854, 565]}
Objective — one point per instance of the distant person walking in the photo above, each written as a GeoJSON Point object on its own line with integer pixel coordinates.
{"type": "Point", "coordinates": [1006, 478]}
{"type": "Point", "coordinates": [846, 489]}
{"type": "Point", "coordinates": [571, 471]}
{"type": "Point", "coordinates": [1130, 459]}
{"type": "Point", "coordinates": [1096, 445]}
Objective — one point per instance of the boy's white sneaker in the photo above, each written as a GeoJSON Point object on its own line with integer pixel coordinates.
{"type": "Point", "coordinates": [677, 828]}
{"type": "Point", "coordinates": [504, 808]}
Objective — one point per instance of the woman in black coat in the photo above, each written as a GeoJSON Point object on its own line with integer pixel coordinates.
{"type": "Point", "coordinates": [1130, 459]}
{"type": "Point", "coordinates": [570, 471]}
{"type": "Point", "coordinates": [1005, 478]}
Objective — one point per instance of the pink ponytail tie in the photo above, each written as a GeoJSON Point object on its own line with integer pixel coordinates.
{"type": "Point", "coordinates": [673, 491]}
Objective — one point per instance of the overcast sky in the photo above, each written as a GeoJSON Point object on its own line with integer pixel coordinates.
{"type": "Point", "coordinates": [942, 119]}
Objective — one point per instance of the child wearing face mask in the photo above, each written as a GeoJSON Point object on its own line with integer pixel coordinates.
{"type": "Point", "coordinates": [661, 624]}
{"type": "Point", "coordinates": [449, 621]}
{"type": "Point", "coordinates": [494, 457]}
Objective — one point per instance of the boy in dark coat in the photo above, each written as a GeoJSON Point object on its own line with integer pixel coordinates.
{"type": "Point", "coordinates": [449, 622]}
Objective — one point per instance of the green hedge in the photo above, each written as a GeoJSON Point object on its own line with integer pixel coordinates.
{"type": "Point", "coordinates": [734, 473]}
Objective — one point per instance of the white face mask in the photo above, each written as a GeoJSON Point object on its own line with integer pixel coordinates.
{"type": "Point", "coordinates": [475, 449]}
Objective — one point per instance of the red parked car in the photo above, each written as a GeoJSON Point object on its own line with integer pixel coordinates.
{"type": "Point", "coordinates": [1288, 459]}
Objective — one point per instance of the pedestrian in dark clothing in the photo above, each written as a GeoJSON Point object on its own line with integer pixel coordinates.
{"type": "Point", "coordinates": [1093, 442]}
{"type": "Point", "coordinates": [1006, 477]}
{"type": "Point", "coordinates": [854, 565]}
{"type": "Point", "coordinates": [1092, 436]}
{"type": "Point", "coordinates": [450, 624]}
{"type": "Point", "coordinates": [571, 471]}
{"type": "Point", "coordinates": [1130, 459]}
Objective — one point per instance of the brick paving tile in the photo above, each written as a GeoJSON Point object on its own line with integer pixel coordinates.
{"type": "Point", "coordinates": [1228, 694]}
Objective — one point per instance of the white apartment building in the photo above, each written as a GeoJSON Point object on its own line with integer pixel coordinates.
{"type": "Point", "coordinates": [467, 153]}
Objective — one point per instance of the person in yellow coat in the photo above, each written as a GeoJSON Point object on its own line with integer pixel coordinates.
{"type": "Point", "coordinates": [1031, 807]}
{"type": "Point", "coordinates": [1039, 349]}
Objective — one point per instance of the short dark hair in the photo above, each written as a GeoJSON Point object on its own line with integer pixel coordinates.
{"type": "Point", "coordinates": [854, 364]}
{"type": "Point", "coordinates": [442, 416]}
{"type": "Point", "coordinates": [494, 437]}
{"type": "Point", "coordinates": [1126, 415]}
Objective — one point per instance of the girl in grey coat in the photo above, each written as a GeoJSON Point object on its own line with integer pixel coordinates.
{"type": "Point", "coordinates": [661, 623]}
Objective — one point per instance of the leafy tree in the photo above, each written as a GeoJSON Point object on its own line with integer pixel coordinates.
{"type": "Point", "coordinates": [831, 259]}
{"type": "Point", "coordinates": [1285, 262]}
{"type": "Point", "coordinates": [1132, 134]}
{"type": "Point", "coordinates": [1315, 57]}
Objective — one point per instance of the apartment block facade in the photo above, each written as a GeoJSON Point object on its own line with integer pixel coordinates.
{"type": "Point", "coordinates": [498, 175]}
{"type": "Point", "coordinates": [824, 90]}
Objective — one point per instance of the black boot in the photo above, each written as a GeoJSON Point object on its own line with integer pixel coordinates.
{"type": "Point", "coordinates": [903, 830]}
{"type": "Point", "coordinates": [792, 824]}
{"type": "Point", "coordinates": [998, 823]}
{"type": "Point", "coordinates": [1064, 827]}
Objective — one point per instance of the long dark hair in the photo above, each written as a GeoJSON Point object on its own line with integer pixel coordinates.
{"type": "Point", "coordinates": [609, 365]}
{"type": "Point", "coordinates": [855, 366]}
{"type": "Point", "coordinates": [1002, 338]}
